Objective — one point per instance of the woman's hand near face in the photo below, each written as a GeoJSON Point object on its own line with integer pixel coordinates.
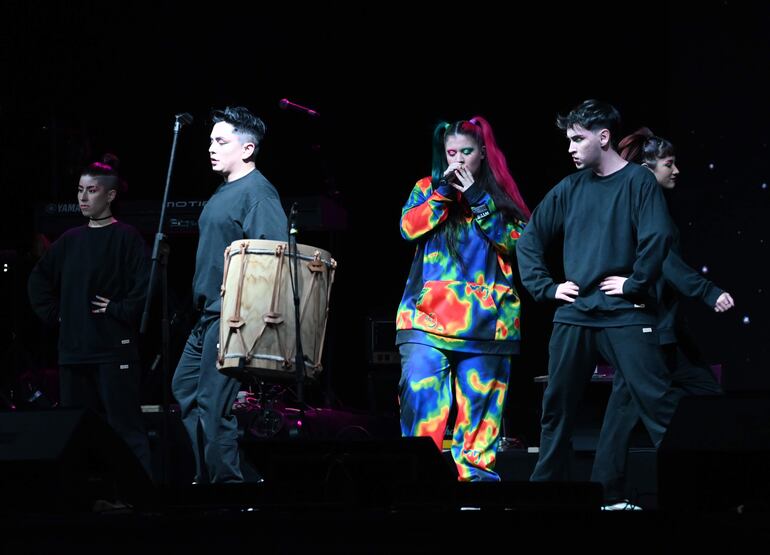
{"type": "Point", "coordinates": [463, 177]}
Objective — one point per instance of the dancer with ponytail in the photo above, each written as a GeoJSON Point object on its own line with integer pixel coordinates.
{"type": "Point", "coordinates": [458, 321]}
{"type": "Point", "coordinates": [690, 374]}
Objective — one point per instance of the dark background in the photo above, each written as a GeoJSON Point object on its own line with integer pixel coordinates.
{"type": "Point", "coordinates": [79, 79]}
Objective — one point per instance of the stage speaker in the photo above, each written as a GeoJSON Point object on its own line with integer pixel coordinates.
{"type": "Point", "coordinates": [66, 460]}
{"type": "Point", "coordinates": [381, 347]}
{"type": "Point", "coordinates": [171, 457]}
{"type": "Point", "coordinates": [382, 473]}
{"type": "Point", "coordinates": [715, 455]}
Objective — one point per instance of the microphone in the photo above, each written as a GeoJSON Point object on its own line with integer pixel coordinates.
{"type": "Point", "coordinates": [185, 118]}
{"type": "Point", "coordinates": [286, 104]}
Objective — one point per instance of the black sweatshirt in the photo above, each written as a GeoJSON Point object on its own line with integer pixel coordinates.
{"type": "Point", "coordinates": [612, 225]}
{"type": "Point", "coordinates": [109, 261]}
{"type": "Point", "coordinates": [247, 208]}
{"type": "Point", "coordinates": [679, 279]}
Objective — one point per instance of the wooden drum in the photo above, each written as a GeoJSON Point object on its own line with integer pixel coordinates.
{"type": "Point", "coordinates": [257, 335]}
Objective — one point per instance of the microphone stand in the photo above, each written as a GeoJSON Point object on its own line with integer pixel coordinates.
{"type": "Point", "coordinates": [160, 252]}
{"type": "Point", "coordinates": [299, 359]}
{"type": "Point", "coordinates": [286, 104]}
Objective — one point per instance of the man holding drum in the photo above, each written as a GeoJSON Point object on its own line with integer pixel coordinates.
{"type": "Point", "coordinates": [245, 206]}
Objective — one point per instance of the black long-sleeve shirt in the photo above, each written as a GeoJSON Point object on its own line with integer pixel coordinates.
{"type": "Point", "coordinates": [612, 225]}
{"type": "Point", "coordinates": [247, 208]}
{"type": "Point", "coordinates": [679, 279]}
{"type": "Point", "coordinates": [109, 261]}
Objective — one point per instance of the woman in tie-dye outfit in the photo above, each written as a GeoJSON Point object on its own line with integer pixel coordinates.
{"type": "Point", "coordinates": [458, 321]}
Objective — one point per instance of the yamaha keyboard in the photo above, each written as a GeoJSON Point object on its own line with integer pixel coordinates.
{"type": "Point", "coordinates": [314, 213]}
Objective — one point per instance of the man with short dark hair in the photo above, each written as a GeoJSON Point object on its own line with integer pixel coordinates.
{"type": "Point", "coordinates": [615, 226]}
{"type": "Point", "coordinates": [245, 206]}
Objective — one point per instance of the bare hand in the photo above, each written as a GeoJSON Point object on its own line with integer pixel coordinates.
{"type": "Point", "coordinates": [99, 305]}
{"type": "Point", "coordinates": [567, 291]}
{"type": "Point", "coordinates": [724, 302]}
{"type": "Point", "coordinates": [612, 285]}
{"type": "Point", "coordinates": [458, 176]}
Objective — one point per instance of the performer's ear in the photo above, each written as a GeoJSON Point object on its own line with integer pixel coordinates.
{"type": "Point", "coordinates": [604, 136]}
{"type": "Point", "coordinates": [248, 149]}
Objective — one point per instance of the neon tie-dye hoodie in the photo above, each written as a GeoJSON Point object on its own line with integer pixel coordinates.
{"type": "Point", "coordinates": [471, 306]}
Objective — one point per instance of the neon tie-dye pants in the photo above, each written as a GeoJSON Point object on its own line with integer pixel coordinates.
{"type": "Point", "coordinates": [431, 378]}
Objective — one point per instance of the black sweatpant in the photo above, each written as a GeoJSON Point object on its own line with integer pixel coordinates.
{"type": "Point", "coordinates": [573, 354]}
{"type": "Point", "coordinates": [109, 388]}
{"type": "Point", "coordinates": [206, 398]}
{"type": "Point", "coordinates": [689, 376]}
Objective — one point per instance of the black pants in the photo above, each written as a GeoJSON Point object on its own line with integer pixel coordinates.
{"type": "Point", "coordinates": [206, 399]}
{"type": "Point", "coordinates": [574, 352]}
{"type": "Point", "coordinates": [689, 376]}
{"type": "Point", "coordinates": [111, 389]}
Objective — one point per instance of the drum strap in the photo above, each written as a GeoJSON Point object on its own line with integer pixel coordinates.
{"type": "Point", "coordinates": [235, 322]}
{"type": "Point", "coordinates": [326, 316]}
{"type": "Point", "coordinates": [316, 267]}
{"type": "Point", "coordinates": [224, 274]}
{"type": "Point", "coordinates": [221, 358]}
{"type": "Point", "coordinates": [273, 317]}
